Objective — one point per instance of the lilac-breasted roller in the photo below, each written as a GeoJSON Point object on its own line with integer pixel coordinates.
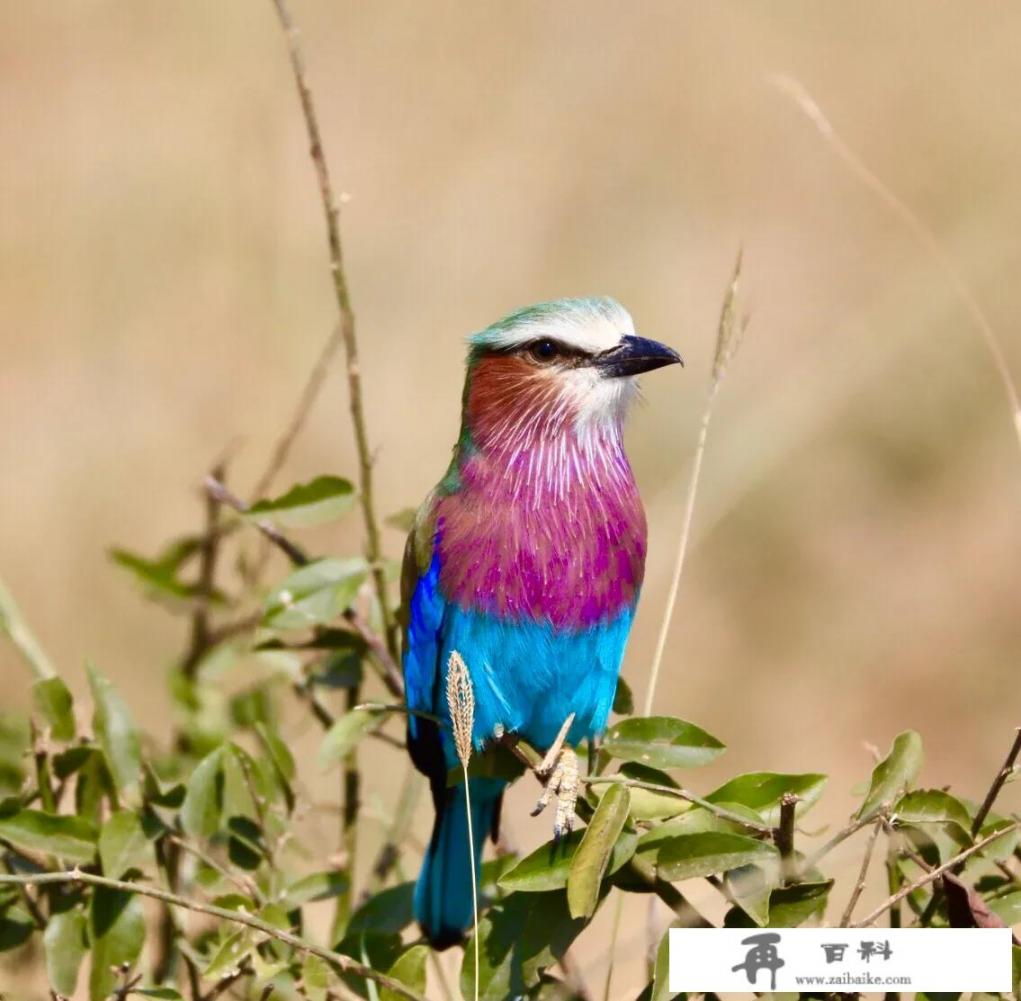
{"type": "Point", "coordinates": [527, 560]}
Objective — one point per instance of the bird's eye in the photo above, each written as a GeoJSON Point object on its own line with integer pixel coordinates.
{"type": "Point", "coordinates": [544, 350]}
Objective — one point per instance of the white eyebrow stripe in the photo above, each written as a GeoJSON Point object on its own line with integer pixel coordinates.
{"type": "Point", "coordinates": [589, 325]}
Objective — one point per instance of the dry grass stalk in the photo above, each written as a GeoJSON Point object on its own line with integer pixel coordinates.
{"type": "Point", "coordinates": [461, 703]}
{"type": "Point", "coordinates": [805, 103]}
{"type": "Point", "coordinates": [728, 338]}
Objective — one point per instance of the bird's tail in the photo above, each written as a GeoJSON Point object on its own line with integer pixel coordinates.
{"type": "Point", "coordinates": [443, 893]}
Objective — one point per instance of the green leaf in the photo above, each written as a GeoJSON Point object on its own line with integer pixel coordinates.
{"type": "Point", "coordinates": [70, 838]}
{"type": "Point", "coordinates": [13, 623]}
{"type": "Point", "coordinates": [694, 821]}
{"type": "Point", "coordinates": [64, 943]}
{"type": "Point", "coordinates": [325, 499]}
{"type": "Point", "coordinates": [623, 699]}
{"type": "Point", "coordinates": [165, 993]}
{"type": "Point", "coordinates": [1008, 907]}
{"type": "Point", "coordinates": [158, 577]}
{"type": "Point", "coordinates": [317, 886]}
{"type": "Point", "coordinates": [662, 742]}
{"type": "Point", "coordinates": [387, 912]}
{"type": "Point", "coordinates": [751, 887]}
{"type": "Point", "coordinates": [203, 797]}
{"type": "Point", "coordinates": [762, 792]}
{"type": "Point", "coordinates": [710, 853]}
{"type": "Point", "coordinates": [283, 761]}
{"type": "Point", "coordinates": [520, 937]}
{"type": "Point", "coordinates": [16, 924]}
{"type": "Point", "coordinates": [116, 732]}
{"type": "Point", "coordinates": [315, 977]}
{"type": "Point", "coordinates": [403, 520]}
{"type": "Point", "coordinates": [376, 950]}
{"type": "Point", "coordinates": [590, 861]}
{"type": "Point", "coordinates": [15, 743]}
{"type": "Point", "coordinates": [645, 803]}
{"type": "Point", "coordinates": [315, 594]}
{"type": "Point", "coordinates": [661, 971]}
{"type": "Point", "coordinates": [409, 969]}
{"type": "Point", "coordinates": [228, 954]}
{"type": "Point", "coordinates": [934, 806]}
{"type": "Point", "coordinates": [123, 845]}
{"type": "Point", "coordinates": [117, 934]}
{"type": "Point", "coordinates": [53, 702]}
{"type": "Point", "coordinates": [548, 867]}
{"type": "Point", "coordinates": [1001, 849]}
{"type": "Point", "coordinates": [894, 773]}
{"type": "Point", "coordinates": [789, 906]}
{"type": "Point", "coordinates": [342, 737]}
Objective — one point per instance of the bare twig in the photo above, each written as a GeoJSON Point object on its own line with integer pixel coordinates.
{"type": "Point", "coordinates": [331, 213]}
{"type": "Point", "coordinates": [241, 917]}
{"type": "Point", "coordinates": [859, 886]}
{"type": "Point", "coordinates": [208, 553]}
{"type": "Point", "coordinates": [397, 832]}
{"type": "Point", "coordinates": [994, 790]}
{"type": "Point", "coordinates": [218, 490]}
{"type": "Point", "coordinates": [906, 891]}
{"type": "Point", "coordinates": [810, 108]}
{"type": "Point", "coordinates": [388, 670]}
{"type": "Point", "coordinates": [727, 338]}
{"type": "Point", "coordinates": [309, 394]}
{"type": "Point", "coordinates": [784, 835]}
{"type": "Point", "coordinates": [842, 835]}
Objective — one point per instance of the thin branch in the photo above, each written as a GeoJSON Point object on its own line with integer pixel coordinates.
{"type": "Point", "coordinates": [388, 670]}
{"type": "Point", "coordinates": [309, 395]}
{"type": "Point", "coordinates": [727, 338]}
{"type": "Point", "coordinates": [397, 833]}
{"type": "Point", "coordinates": [906, 891]}
{"type": "Point", "coordinates": [842, 835]}
{"type": "Point", "coordinates": [347, 321]}
{"type": "Point", "coordinates": [208, 554]}
{"type": "Point", "coordinates": [218, 490]}
{"type": "Point", "coordinates": [994, 790]}
{"type": "Point", "coordinates": [804, 101]}
{"type": "Point", "coordinates": [680, 793]}
{"type": "Point", "coordinates": [784, 836]}
{"type": "Point", "coordinates": [245, 885]}
{"type": "Point", "coordinates": [241, 917]}
{"type": "Point", "coordinates": [859, 886]}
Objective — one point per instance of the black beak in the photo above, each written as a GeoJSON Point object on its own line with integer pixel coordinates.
{"type": "Point", "coordinates": [635, 355]}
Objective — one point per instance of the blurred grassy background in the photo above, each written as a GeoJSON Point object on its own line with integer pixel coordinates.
{"type": "Point", "coordinates": [164, 292]}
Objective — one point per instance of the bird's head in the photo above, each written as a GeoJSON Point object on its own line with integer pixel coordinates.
{"type": "Point", "coordinates": [570, 365]}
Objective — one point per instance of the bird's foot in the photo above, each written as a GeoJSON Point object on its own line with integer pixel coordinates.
{"type": "Point", "coordinates": [558, 772]}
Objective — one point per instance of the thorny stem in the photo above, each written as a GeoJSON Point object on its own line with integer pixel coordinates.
{"type": "Point", "coordinates": [347, 321]}
{"type": "Point", "coordinates": [906, 891]}
{"type": "Point", "coordinates": [241, 917]}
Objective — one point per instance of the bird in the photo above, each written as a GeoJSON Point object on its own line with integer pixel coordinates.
{"type": "Point", "coordinates": [526, 562]}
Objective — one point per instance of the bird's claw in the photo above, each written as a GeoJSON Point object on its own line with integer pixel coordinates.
{"type": "Point", "coordinates": [562, 782]}
{"type": "Point", "coordinates": [558, 771]}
